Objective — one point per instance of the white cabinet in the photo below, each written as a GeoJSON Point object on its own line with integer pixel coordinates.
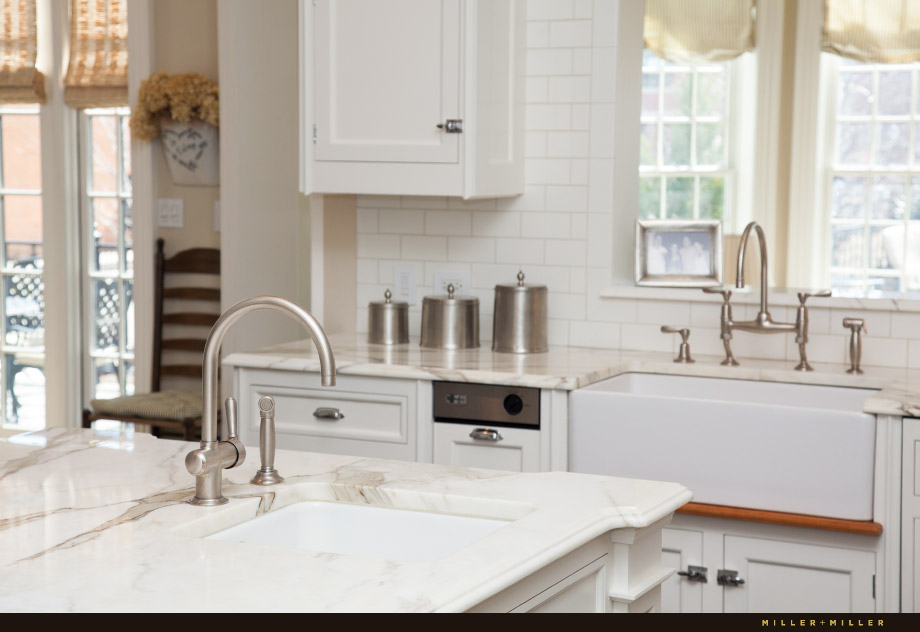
{"type": "Point", "coordinates": [910, 517]}
{"type": "Point", "coordinates": [360, 416]}
{"type": "Point", "coordinates": [495, 448]}
{"type": "Point", "coordinates": [792, 577]}
{"type": "Point", "coordinates": [782, 569]}
{"type": "Point", "coordinates": [379, 77]}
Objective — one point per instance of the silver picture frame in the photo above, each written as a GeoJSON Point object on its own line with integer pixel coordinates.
{"type": "Point", "coordinates": [679, 252]}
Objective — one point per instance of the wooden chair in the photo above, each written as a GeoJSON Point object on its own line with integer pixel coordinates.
{"type": "Point", "coordinates": [173, 409]}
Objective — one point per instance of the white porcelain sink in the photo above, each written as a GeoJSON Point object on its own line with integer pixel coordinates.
{"type": "Point", "coordinates": [780, 447]}
{"type": "Point", "coordinates": [391, 534]}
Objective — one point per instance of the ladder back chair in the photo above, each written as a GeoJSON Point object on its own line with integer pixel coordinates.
{"type": "Point", "coordinates": [173, 409]}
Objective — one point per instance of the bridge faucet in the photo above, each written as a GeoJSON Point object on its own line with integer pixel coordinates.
{"type": "Point", "coordinates": [206, 463]}
{"type": "Point", "coordinates": [763, 323]}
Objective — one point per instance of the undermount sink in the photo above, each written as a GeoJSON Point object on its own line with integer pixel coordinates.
{"type": "Point", "coordinates": [363, 530]}
{"type": "Point", "coordinates": [762, 445]}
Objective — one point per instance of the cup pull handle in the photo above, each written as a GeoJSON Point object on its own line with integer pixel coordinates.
{"type": "Point", "coordinates": [328, 414]}
{"type": "Point", "coordinates": [486, 434]}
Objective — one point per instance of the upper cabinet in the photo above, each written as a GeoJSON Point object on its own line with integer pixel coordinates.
{"type": "Point", "coordinates": [413, 97]}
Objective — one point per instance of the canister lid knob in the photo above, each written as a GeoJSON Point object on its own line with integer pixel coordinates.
{"type": "Point", "coordinates": [520, 278]}
{"type": "Point", "coordinates": [450, 291]}
{"type": "Point", "coordinates": [388, 296]}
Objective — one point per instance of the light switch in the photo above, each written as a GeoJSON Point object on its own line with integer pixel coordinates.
{"type": "Point", "coordinates": [405, 283]}
{"type": "Point", "coordinates": [216, 216]}
{"type": "Point", "coordinates": [170, 213]}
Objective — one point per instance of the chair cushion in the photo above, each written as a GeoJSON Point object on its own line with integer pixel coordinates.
{"type": "Point", "coordinates": [174, 405]}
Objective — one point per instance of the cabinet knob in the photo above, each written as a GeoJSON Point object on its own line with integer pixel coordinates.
{"type": "Point", "coordinates": [696, 574]}
{"type": "Point", "coordinates": [451, 126]}
{"type": "Point", "coordinates": [486, 434]}
{"type": "Point", "coordinates": [728, 578]}
{"type": "Point", "coordinates": [328, 414]}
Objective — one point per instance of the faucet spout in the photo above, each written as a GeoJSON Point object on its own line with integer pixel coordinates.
{"type": "Point", "coordinates": [206, 463]}
{"type": "Point", "coordinates": [762, 242]}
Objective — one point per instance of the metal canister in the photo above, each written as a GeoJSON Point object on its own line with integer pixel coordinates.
{"type": "Point", "coordinates": [519, 323]}
{"type": "Point", "coordinates": [450, 322]}
{"type": "Point", "coordinates": [388, 321]}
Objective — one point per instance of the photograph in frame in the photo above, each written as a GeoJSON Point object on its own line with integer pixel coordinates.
{"type": "Point", "coordinates": [678, 253]}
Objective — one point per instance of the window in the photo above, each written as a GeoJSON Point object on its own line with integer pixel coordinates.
{"type": "Point", "coordinates": [22, 324]}
{"type": "Point", "coordinates": [873, 197]}
{"type": "Point", "coordinates": [685, 159]}
{"type": "Point", "coordinates": [109, 254]}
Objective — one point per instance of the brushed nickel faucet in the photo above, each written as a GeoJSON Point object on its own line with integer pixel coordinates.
{"type": "Point", "coordinates": [206, 463]}
{"type": "Point", "coordinates": [763, 323]}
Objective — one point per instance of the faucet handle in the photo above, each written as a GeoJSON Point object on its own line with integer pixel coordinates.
{"type": "Point", "coordinates": [855, 324]}
{"type": "Point", "coordinates": [233, 428]}
{"type": "Point", "coordinates": [683, 355]}
{"type": "Point", "coordinates": [726, 294]}
{"type": "Point", "coordinates": [684, 333]}
{"type": "Point", "coordinates": [804, 296]}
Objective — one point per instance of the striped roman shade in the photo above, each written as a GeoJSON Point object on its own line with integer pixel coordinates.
{"type": "Point", "coordinates": [20, 82]}
{"type": "Point", "coordinates": [873, 31]}
{"type": "Point", "coordinates": [97, 75]}
{"type": "Point", "coordinates": [699, 31]}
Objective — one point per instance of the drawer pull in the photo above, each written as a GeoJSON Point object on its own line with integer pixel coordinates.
{"type": "Point", "coordinates": [328, 414]}
{"type": "Point", "coordinates": [486, 434]}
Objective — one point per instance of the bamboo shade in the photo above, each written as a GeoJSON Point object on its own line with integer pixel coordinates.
{"type": "Point", "coordinates": [873, 31]}
{"type": "Point", "coordinates": [97, 75]}
{"type": "Point", "coordinates": [20, 82]}
{"type": "Point", "coordinates": [700, 31]}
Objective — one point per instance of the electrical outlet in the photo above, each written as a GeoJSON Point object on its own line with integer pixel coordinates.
{"type": "Point", "coordinates": [216, 216]}
{"type": "Point", "coordinates": [460, 281]}
{"type": "Point", "coordinates": [405, 283]}
{"type": "Point", "coordinates": [170, 213]}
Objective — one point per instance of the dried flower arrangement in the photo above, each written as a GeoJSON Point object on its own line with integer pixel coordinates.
{"type": "Point", "coordinates": [184, 97]}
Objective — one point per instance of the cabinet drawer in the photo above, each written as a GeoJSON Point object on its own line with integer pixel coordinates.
{"type": "Point", "coordinates": [518, 450]}
{"type": "Point", "coordinates": [377, 415]}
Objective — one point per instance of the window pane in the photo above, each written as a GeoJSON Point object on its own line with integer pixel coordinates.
{"type": "Point", "coordinates": [888, 197]}
{"type": "Point", "coordinates": [710, 145]}
{"type": "Point", "coordinates": [676, 145]}
{"type": "Point", "coordinates": [894, 92]}
{"type": "Point", "coordinates": [105, 379]}
{"type": "Point", "coordinates": [648, 145]}
{"type": "Point", "coordinates": [129, 377]}
{"type": "Point", "coordinates": [711, 91]}
{"type": "Point", "coordinates": [126, 157]}
{"type": "Point", "coordinates": [128, 236]}
{"type": "Point", "coordinates": [712, 197]}
{"type": "Point", "coordinates": [129, 316]}
{"type": "Point", "coordinates": [106, 224]}
{"type": "Point", "coordinates": [24, 390]}
{"type": "Point", "coordinates": [650, 94]}
{"type": "Point", "coordinates": [24, 302]}
{"type": "Point", "coordinates": [104, 154]}
{"type": "Point", "coordinates": [649, 198]}
{"type": "Point", "coordinates": [679, 195]}
{"type": "Point", "coordinates": [893, 142]}
{"type": "Point", "coordinates": [105, 315]}
{"type": "Point", "coordinates": [22, 151]}
{"type": "Point", "coordinates": [885, 241]}
{"type": "Point", "coordinates": [848, 197]}
{"type": "Point", "coordinates": [915, 199]}
{"type": "Point", "coordinates": [23, 230]}
{"type": "Point", "coordinates": [678, 93]}
{"type": "Point", "coordinates": [848, 246]}
{"type": "Point", "coordinates": [855, 96]}
{"type": "Point", "coordinates": [854, 143]}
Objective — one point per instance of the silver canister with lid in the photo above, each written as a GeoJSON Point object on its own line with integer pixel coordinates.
{"type": "Point", "coordinates": [519, 324]}
{"type": "Point", "coordinates": [450, 322]}
{"type": "Point", "coordinates": [388, 321]}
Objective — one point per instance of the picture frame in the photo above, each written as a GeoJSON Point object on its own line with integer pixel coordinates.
{"type": "Point", "coordinates": [679, 252]}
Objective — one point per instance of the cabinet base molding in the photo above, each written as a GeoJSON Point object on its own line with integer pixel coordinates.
{"type": "Point", "coordinates": [859, 527]}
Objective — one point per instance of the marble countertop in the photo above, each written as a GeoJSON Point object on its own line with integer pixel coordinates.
{"type": "Point", "coordinates": [91, 521]}
{"type": "Point", "coordinates": [896, 391]}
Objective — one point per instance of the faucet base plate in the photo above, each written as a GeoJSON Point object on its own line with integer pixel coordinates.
{"type": "Point", "coordinates": [208, 502]}
{"type": "Point", "coordinates": [267, 477]}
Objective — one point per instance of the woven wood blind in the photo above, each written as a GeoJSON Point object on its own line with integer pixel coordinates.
{"type": "Point", "coordinates": [97, 75]}
{"type": "Point", "coordinates": [699, 31]}
{"type": "Point", "coordinates": [873, 31]}
{"type": "Point", "coordinates": [20, 82]}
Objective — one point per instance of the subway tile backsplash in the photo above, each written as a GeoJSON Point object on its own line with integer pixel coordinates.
{"type": "Point", "coordinates": [559, 230]}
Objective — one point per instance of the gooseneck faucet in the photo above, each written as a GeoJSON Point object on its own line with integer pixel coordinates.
{"type": "Point", "coordinates": [206, 463]}
{"type": "Point", "coordinates": [763, 323]}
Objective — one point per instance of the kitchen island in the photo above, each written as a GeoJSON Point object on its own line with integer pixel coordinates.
{"type": "Point", "coordinates": [96, 521]}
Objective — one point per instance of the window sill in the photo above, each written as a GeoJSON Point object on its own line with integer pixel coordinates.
{"type": "Point", "coordinates": [780, 297]}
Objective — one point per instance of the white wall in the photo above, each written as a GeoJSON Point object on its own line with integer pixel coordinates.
{"type": "Point", "coordinates": [576, 216]}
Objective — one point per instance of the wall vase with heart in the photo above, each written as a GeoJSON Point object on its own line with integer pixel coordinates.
{"type": "Point", "coordinates": [192, 152]}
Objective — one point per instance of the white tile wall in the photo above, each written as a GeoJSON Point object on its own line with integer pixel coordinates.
{"type": "Point", "coordinates": [559, 230]}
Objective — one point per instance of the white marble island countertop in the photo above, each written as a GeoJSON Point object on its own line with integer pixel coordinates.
{"type": "Point", "coordinates": [97, 522]}
{"type": "Point", "coordinates": [569, 368]}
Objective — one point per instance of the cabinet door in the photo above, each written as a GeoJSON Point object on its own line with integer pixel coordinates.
{"type": "Point", "coordinates": [791, 577]}
{"type": "Point", "coordinates": [386, 73]}
{"type": "Point", "coordinates": [910, 525]}
{"type": "Point", "coordinates": [517, 450]}
{"type": "Point", "coordinates": [681, 549]}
